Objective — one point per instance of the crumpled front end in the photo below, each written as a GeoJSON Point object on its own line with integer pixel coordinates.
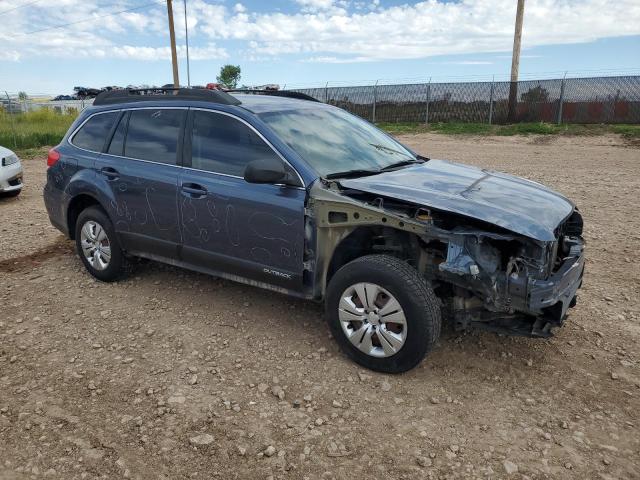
{"type": "Point", "coordinates": [514, 285]}
{"type": "Point", "coordinates": [486, 276]}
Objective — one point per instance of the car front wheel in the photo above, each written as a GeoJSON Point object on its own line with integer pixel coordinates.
{"type": "Point", "coordinates": [382, 313]}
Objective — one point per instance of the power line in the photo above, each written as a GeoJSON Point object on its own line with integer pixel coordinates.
{"type": "Point", "coordinates": [54, 27]}
{"type": "Point", "coordinates": [19, 6]}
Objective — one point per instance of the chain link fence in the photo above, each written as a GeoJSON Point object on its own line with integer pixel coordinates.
{"type": "Point", "coordinates": [13, 104]}
{"type": "Point", "coordinates": [571, 100]}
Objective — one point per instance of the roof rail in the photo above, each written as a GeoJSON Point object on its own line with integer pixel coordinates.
{"type": "Point", "coordinates": [277, 93]}
{"type": "Point", "coordinates": [147, 94]}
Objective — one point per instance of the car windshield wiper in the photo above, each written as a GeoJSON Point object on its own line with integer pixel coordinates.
{"type": "Point", "coordinates": [377, 146]}
{"type": "Point", "coordinates": [359, 172]}
{"type": "Point", "coordinates": [400, 164]}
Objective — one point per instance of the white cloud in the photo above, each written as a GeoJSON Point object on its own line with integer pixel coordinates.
{"type": "Point", "coordinates": [339, 31]}
{"type": "Point", "coordinates": [315, 4]}
{"type": "Point", "coordinates": [163, 53]}
{"type": "Point", "coordinates": [427, 28]}
{"type": "Point", "coordinates": [470, 62]}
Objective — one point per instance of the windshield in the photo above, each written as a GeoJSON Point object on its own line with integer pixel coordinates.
{"type": "Point", "coordinates": [333, 141]}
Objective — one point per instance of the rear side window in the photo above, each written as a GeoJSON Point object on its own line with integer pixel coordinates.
{"type": "Point", "coordinates": [94, 132]}
{"type": "Point", "coordinates": [153, 135]}
{"type": "Point", "coordinates": [222, 144]}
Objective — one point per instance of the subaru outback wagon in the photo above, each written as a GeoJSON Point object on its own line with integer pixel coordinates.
{"type": "Point", "coordinates": [282, 192]}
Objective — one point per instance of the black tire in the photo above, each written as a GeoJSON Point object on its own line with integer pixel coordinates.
{"type": "Point", "coordinates": [12, 193]}
{"type": "Point", "coordinates": [418, 301]}
{"type": "Point", "coordinates": [118, 265]}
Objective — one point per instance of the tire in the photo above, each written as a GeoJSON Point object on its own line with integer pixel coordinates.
{"type": "Point", "coordinates": [385, 346]}
{"type": "Point", "coordinates": [12, 193]}
{"type": "Point", "coordinates": [106, 270]}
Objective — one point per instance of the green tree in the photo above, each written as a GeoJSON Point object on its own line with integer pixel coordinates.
{"type": "Point", "coordinates": [229, 76]}
{"type": "Point", "coordinates": [22, 96]}
{"type": "Point", "coordinates": [535, 95]}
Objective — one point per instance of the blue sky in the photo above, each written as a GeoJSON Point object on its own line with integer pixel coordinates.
{"type": "Point", "coordinates": [310, 42]}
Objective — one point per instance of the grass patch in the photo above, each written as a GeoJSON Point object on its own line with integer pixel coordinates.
{"type": "Point", "coordinates": [34, 129]}
{"type": "Point", "coordinates": [462, 128]}
{"type": "Point", "coordinates": [630, 132]}
{"type": "Point", "coordinates": [33, 152]}
{"type": "Point", "coordinates": [400, 128]}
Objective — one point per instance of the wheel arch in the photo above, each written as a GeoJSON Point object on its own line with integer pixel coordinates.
{"type": "Point", "coordinates": [372, 239]}
{"type": "Point", "coordinates": [77, 204]}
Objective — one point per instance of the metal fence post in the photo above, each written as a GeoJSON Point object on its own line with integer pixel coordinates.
{"type": "Point", "coordinates": [491, 101]}
{"type": "Point", "coordinates": [326, 92]}
{"type": "Point", "coordinates": [375, 94]}
{"type": "Point", "coordinates": [10, 113]}
{"type": "Point", "coordinates": [561, 99]}
{"type": "Point", "coordinates": [426, 116]}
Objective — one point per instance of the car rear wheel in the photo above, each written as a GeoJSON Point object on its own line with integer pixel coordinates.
{"type": "Point", "coordinates": [382, 313]}
{"type": "Point", "coordinates": [98, 245]}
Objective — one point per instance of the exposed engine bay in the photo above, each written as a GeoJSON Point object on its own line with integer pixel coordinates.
{"type": "Point", "coordinates": [485, 275]}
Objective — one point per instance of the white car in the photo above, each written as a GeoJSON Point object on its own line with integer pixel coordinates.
{"type": "Point", "coordinates": [10, 173]}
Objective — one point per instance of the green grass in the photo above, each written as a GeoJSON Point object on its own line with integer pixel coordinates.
{"type": "Point", "coordinates": [630, 132]}
{"type": "Point", "coordinates": [34, 129]}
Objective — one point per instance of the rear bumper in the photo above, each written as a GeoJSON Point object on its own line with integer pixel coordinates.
{"type": "Point", "coordinates": [54, 203]}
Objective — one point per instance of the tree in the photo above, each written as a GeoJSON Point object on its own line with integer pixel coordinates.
{"type": "Point", "coordinates": [535, 95]}
{"type": "Point", "coordinates": [22, 96]}
{"type": "Point", "coordinates": [229, 76]}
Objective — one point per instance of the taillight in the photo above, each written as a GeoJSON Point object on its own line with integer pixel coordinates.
{"type": "Point", "coordinates": [53, 157]}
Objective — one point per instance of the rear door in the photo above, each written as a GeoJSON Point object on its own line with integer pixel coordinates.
{"type": "Point", "coordinates": [228, 225]}
{"type": "Point", "coordinates": [141, 168]}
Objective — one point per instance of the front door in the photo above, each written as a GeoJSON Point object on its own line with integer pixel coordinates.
{"type": "Point", "coordinates": [141, 165]}
{"type": "Point", "coordinates": [228, 225]}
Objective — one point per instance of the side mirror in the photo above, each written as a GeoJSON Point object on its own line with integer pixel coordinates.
{"type": "Point", "coordinates": [267, 170]}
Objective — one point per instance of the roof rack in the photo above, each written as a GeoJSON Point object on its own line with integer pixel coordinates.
{"type": "Point", "coordinates": [277, 93]}
{"type": "Point", "coordinates": [147, 94]}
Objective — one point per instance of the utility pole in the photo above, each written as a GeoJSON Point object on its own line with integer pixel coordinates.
{"type": "Point", "coordinates": [186, 34]}
{"type": "Point", "coordinates": [172, 37]}
{"type": "Point", "coordinates": [515, 62]}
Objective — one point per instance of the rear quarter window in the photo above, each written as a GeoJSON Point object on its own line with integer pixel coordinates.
{"type": "Point", "coordinates": [93, 134]}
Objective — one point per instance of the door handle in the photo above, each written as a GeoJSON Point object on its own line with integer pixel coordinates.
{"type": "Point", "coordinates": [194, 190]}
{"type": "Point", "coordinates": [110, 173]}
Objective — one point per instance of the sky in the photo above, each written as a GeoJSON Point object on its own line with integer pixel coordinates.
{"type": "Point", "coordinates": [50, 46]}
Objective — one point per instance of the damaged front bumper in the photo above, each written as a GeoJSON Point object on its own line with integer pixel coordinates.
{"type": "Point", "coordinates": [557, 294]}
{"type": "Point", "coordinates": [521, 303]}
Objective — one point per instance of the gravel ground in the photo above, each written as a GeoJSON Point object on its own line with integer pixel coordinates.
{"type": "Point", "coordinates": [175, 375]}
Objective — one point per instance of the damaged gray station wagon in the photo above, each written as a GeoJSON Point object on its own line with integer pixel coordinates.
{"type": "Point", "coordinates": [282, 192]}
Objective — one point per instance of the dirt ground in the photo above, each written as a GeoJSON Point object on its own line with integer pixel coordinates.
{"type": "Point", "coordinates": [176, 375]}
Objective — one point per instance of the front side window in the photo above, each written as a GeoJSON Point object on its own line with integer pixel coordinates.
{"type": "Point", "coordinates": [93, 133]}
{"type": "Point", "coordinates": [333, 141]}
{"type": "Point", "coordinates": [153, 135]}
{"type": "Point", "coordinates": [222, 144]}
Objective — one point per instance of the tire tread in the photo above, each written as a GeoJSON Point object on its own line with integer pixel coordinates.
{"type": "Point", "coordinates": [122, 265]}
{"type": "Point", "coordinates": [416, 287]}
